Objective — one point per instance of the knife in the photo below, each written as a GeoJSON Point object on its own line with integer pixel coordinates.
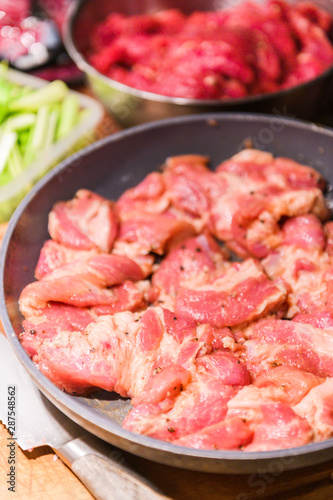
{"type": "Point", "coordinates": [33, 421]}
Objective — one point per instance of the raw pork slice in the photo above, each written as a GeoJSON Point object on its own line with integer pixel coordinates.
{"type": "Point", "coordinates": [262, 190]}
{"type": "Point", "coordinates": [280, 342]}
{"type": "Point", "coordinates": [201, 403]}
{"type": "Point", "coordinates": [280, 428]}
{"type": "Point", "coordinates": [317, 408]}
{"type": "Point", "coordinates": [191, 263]}
{"type": "Point", "coordinates": [304, 265]}
{"type": "Point", "coordinates": [240, 295]}
{"type": "Point", "coordinates": [54, 255]}
{"type": "Point", "coordinates": [88, 221]}
{"type": "Point", "coordinates": [273, 422]}
{"type": "Point", "coordinates": [124, 351]}
{"type": "Point", "coordinates": [82, 283]}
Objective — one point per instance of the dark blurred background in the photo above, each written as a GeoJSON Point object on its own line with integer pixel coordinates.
{"type": "Point", "coordinates": [30, 38]}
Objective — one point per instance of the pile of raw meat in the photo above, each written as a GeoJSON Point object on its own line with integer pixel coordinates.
{"type": "Point", "coordinates": [251, 48]}
{"type": "Point", "coordinates": [141, 296]}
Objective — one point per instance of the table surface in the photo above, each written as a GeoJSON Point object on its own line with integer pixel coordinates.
{"type": "Point", "coordinates": [41, 475]}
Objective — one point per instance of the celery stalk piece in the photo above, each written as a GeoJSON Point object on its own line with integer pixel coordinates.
{"type": "Point", "coordinates": [42, 119]}
{"type": "Point", "coordinates": [3, 114]}
{"type": "Point", "coordinates": [69, 109]}
{"type": "Point", "coordinates": [5, 90]}
{"type": "Point", "coordinates": [7, 141]}
{"type": "Point", "coordinates": [28, 155]}
{"type": "Point", "coordinates": [52, 126]}
{"type": "Point", "coordinates": [53, 92]}
{"type": "Point", "coordinates": [20, 121]}
{"type": "Point", "coordinates": [22, 139]}
{"type": "Point", "coordinates": [15, 93]}
{"type": "Point", "coordinates": [15, 161]}
{"type": "Point", "coordinates": [26, 90]}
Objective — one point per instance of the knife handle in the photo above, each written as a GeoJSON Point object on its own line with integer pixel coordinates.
{"type": "Point", "coordinates": [104, 471]}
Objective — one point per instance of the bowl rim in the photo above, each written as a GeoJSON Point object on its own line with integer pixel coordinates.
{"type": "Point", "coordinates": [82, 63]}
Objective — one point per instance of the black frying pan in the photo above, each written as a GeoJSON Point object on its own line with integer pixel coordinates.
{"type": "Point", "coordinates": [109, 167]}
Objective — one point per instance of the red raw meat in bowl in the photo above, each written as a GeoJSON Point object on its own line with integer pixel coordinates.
{"type": "Point", "coordinates": [174, 58]}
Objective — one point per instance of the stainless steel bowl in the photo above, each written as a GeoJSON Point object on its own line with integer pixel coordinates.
{"type": "Point", "coordinates": [131, 106]}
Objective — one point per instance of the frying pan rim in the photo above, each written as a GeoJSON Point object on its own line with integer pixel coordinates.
{"type": "Point", "coordinates": [73, 403]}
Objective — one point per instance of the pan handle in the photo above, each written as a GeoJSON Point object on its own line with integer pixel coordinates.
{"type": "Point", "coordinates": [105, 472]}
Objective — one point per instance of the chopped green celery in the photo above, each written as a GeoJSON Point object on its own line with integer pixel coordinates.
{"type": "Point", "coordinates": [22, 139]}
{"type": "Point", "coordinates": [42, 119]}
{"type": "Point", "coordinates": [69, 109]}
{"type": "Point", "coordinates": [15, 161]}
{"type": "Point", "coordinates": [31, 120]}
{"type": "Point", "coordinates": [3, 114]}
{"type": "Point", "coordinates": [5, 92]}
{"type": "Point", "coordinates": [55, 91]}
{"type": "Point", "coordinates": [52, 127]}
{"type": "Point", "coordinates": [15, 93]}
{"type": "Point", "coordinates": [5, 176]}
{"type": "Point", "coordinates": [7, 142]}
{"type": "Point", "coordinates": [19, 121]}
{"type": "Point", "coordinates": [28, 155]}
{"type": "Point", "coordinates": [26, 90]}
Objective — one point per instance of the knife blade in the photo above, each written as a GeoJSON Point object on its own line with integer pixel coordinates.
{"type": "Point", "coordinates": [34, 421]}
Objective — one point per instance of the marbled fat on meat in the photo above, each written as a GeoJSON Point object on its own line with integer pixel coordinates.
{"type": "Point", "coordinates": [304, 265]}
{"type": "Point", "coordinates": [88, 221]}
{"type": "Point", "coordinates": [240, 295]}
{"type": "Point", "coordinates": [140, 296]}
{"type": "Point", "coordinates": [82, 283]}
{"type": "Point", "coordinates": [275, 342]}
